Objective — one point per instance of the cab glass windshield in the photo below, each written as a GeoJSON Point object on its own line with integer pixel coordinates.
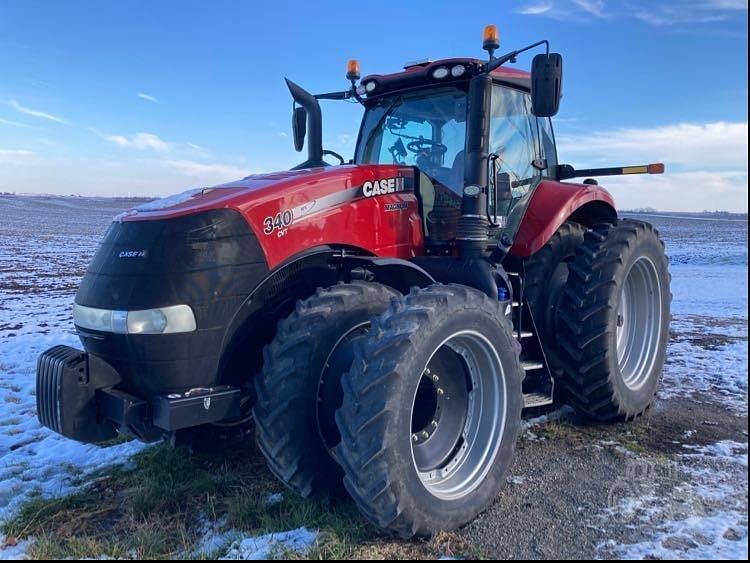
{"type": "Point", "coordinates": [426, 129]}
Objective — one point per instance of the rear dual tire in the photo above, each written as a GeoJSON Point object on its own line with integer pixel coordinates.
{"type": "Point", "coordinates": [546, 273]}
{"type": "Point", "coordinates": [415, 466]}
{"type": "Point", "coordinates": [613, 321]}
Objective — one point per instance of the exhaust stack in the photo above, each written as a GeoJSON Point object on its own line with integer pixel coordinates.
{"type": "Point", "coordinates": [314, 125]}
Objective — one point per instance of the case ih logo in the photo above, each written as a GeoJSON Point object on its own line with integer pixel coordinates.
{"type": "Point", "coordinates": [133, 254]}
{"type": "Point", "coordinates": [383, 187]}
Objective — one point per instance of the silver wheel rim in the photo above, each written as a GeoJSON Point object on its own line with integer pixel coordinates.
{"type": "Point", "coordinates": [639, 320]}
{"type": "Point", "coordinates": [484, 424]}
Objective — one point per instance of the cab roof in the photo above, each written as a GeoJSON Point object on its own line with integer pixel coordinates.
{"type": "Point", "coordinates": [420, 73]}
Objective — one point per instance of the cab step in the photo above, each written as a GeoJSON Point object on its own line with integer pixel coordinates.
{"type": "Point", "coordinates": [532, 366]}
{"type": "Point", "coordinates": [533, 400]}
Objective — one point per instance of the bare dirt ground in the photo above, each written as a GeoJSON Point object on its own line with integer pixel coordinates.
{"type": "Point", "coordinates": [672, 484]}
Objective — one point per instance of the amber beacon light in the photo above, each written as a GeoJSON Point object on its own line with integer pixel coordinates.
{"type": "Point", "coordinates": [490, 39]}
{"type": "Point", "coordinates": [352, 70]}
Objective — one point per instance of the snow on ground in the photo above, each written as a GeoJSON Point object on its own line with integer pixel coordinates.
{"type": "Point", "coordinates": [40, 268]}
{"type": "Point", "coordinates": [14, 551]}
{"type": "Point", "coordinates": [700, 510]}
{"type": "Point", "coordinates": [270, 545]}
{"type": "Point", "coordinates": [708, 356]}
{"type": "Point", "coordinates": [34, 459]}
{"type": "Point", "coordinates": [696, 507]}
{"type": "Point", "coordinates": [221, 543]}
{"type": "Point", "coordinates": [708, 352]}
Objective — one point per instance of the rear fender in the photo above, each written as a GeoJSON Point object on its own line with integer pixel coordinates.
{"type": "Point", "coordinates": [552, 204]}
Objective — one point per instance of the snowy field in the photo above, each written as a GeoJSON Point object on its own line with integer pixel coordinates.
{"type": "Point", "coordinates": [696, 506]}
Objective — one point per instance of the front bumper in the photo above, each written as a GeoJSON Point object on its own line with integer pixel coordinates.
{"type": "Point", "coordinates": [79, 396]}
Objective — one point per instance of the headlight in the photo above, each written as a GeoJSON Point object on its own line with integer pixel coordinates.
{"type": "Point", "coordinates": [440, 72]}
{"type": "Point", "coordinates": [370, 86]}
{"type": "Point", "coordinates": [164, 320]}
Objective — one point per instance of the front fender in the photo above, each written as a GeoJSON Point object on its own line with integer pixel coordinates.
{"type": "Point", "coordinates": [552, 204]}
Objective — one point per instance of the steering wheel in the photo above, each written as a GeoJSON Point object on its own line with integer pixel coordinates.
{"type": "Point", "coordinates": [423, 145]}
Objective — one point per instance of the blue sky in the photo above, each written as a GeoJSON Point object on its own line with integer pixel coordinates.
{"type": "Point", "coordinates": [148, 98]}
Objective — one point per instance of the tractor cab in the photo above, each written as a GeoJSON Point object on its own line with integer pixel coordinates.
{"type": "Point", "coordinates": [463, 124]}
{"type": "Point", "coordinates": [426, 127]}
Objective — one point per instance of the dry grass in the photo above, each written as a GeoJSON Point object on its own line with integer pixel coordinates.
{"type": "Point", "coordinates": [154, 508]}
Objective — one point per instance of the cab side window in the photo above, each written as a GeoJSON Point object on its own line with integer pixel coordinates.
{"type": "Point", "coordinates": [547, 141]}
{"type": "Point", "coordinates": [514, 137]}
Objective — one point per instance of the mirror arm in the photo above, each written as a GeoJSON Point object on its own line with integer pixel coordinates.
{"type": "Point", "coordinates": [343, 95]}
{"type": "Point", "coordinates": [499, 61]}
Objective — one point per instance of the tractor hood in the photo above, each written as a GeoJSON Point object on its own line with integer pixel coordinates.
{"type": "Point", "coordinates": [304, 187]}
{"type": "Point", "coordinates": [367, 206]}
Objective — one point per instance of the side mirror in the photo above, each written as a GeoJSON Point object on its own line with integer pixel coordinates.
{"type": "Point", "coordinates": [546, 84]}
{"type": "Point", "coordinates": [299, 127]}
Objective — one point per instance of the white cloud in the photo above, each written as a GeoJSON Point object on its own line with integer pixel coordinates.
{"type": "Point", "coordinates": [727, 4]}
{"type": "Point", "coordinates": [687, 12]}
{"type": "Point", "coordinates": [595, 8]}
{"type": "Point", "coordinates": [208, 173]}
{"type": "Point", "coordinates": [535, 9]}
{"type": "Point", "coordinates": [147, 97]}
{"type": "Point", "coordinates": [683, 191]}
{"type": "Point", "coordinates": [10, 153]}
{"type": "Point", "coordinates": [138, 141]}
{"type": "Point", "coordinates": [345, 139]}
{"type": "Point", "coordinates": [35, 113]}
{"type": "Point", "coordinates": [33, 173]}
{"type": "Point", "coordinates": [567, 10]}
{"type": "Point", "coordinates": [706, 164]}
{"type": "Point", "coordinates": [690, 145]}
{"type": "Point", "coordinates": [13, 123]}
{"type": "Point", "coordinates": [658, 14]}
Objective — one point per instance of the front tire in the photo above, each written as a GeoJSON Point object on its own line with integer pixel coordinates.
{"type": "Point", "coordinates": [431, 411]}
{"type": "Point", "coordinates": [613, 322]}
{"type": "Point", "coordinates": [299, 388]}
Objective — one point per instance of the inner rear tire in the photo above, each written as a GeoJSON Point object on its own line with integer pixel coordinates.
{"type": "Point", "coordinates": [546, 273]}
{"type": "Point", "coordinates": [431, 411]}
{"type": "Point", "coordinates": [613, 322]}
{"type": "Point", "coordinates": [299, 388]}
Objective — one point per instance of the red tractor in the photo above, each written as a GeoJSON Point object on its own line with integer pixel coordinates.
{"type": "Point", "coordinates": [384, 321]}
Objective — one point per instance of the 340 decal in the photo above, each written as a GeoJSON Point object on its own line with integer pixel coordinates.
{"type": "Point", "coordinates": [278, 223]}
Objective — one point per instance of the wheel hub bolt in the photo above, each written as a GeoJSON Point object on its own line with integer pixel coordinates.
{"type": "Point", "coordinates": [435, 378]}
{"type": "Point", "coordinates": [440, 391]}
{"type": "Point", "coordinates": [425, 434]}
{"type": "Point", "coordinates": [415, 438]}
{"type": "Point", "coordinates": [620, 320]}
{"type": "Point", "coordinates": [434, 423]}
